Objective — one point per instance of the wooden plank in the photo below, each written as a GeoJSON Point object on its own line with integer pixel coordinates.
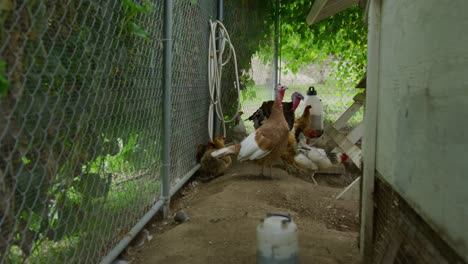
{"type": "Point", "coordinates": [334, 7]}
{"type": "Point", "coordinates": [356, 133]}
{"type": "Point", "coordinates": [322, 140]}
{"type": "Point", "coordinates": [370, 131]}
{"type": "Point", "coordinates": [351, 192]}
{"type": "Point", "coordinates": [360, 98]}
{"type": "Point", "coordinates": [315, 11]}
{"type": "Point", "coordinates": [341, 122]}
{"type": "Point", "coordinates": [366, 13]}
{"type": "Point", "coordinates": [336, 170]}
{"type": "Point", "coordinates": [353, 152]}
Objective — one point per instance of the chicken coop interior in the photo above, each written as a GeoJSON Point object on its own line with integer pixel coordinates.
{"type": "Point", "coordinates": [226, 131]}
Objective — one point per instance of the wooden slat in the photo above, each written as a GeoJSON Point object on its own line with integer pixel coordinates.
{"type": "Point", "coordinates": [370, 131]}
{"type": "Point", "coordinates": [333, 7]}
{"type": "Point", "coordinates": [360, 98]}
{"type": "Point", "coordinates": [353, 152]}
{"type": "Point", "coordinates": [356, 133]}
{"type": "Point", "coordinates": [351, 192]}
{"type": "Point", "coordinates": [315, 11]}
{"type": "Point", "coordinates": [323, 140]}
{"type": "Point", "coordinates": [341, 122]}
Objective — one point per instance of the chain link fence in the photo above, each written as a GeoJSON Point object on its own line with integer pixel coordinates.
{"type": "Point", "coordinates": [81, 126]}
{"type": "Point", "coordinates": [81, 120]}
{"type": "Point", "coordinates": [190, 92]}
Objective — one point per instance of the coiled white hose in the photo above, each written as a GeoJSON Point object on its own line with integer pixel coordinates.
{"type": "Point", "coordinates": [215, 72]}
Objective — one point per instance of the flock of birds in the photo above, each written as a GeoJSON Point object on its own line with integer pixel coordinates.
{"type": "Point", "coordinates": [278, 136]}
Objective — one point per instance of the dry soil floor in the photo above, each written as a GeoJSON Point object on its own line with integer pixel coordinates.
{"type": "Point", "coordinates": [225, 212]}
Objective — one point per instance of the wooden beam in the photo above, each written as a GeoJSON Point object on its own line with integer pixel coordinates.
{"type": "Point", "coordinates": [370, 131]}
{"type": "Point", "coordinates": [334, 7]}
{"type": "Point", "coordinates": [356, 133]}
{"type": "Point", "coordinates": [341, 122]}
{"type": "Point", "coordinates": [350, 192]}
{"type": "Point", "coordinates": [353, 152]}
{"type": "Point", "coordinates": [315, 11]}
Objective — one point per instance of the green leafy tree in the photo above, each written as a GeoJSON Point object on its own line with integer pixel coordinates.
{"type": "Point", "coordinates": [342, 36]}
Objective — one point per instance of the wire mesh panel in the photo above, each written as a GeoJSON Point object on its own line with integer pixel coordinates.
{"type": "Point", "coordinates": [80, 125]}
{"type": "Point", "coordinates": [190, 94]}
{"type": "Point", "coordinates": [399, 229]}
{"type": "Point", "coordinates": [245, 21]}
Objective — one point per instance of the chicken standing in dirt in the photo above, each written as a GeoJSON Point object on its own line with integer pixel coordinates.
{"type": "Point", "coordinates": [268, 142]}
{"type": "Point", "coordinates": [211, 167]}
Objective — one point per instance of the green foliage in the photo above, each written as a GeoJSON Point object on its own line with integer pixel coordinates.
{"type": "Point", "coordinates": [248, 91]}
{"type": "Point", "coordinates": [343, 36]}
{"type": "Point", "coordinates": [25, 160]}
{"type": "Point", "coordinates": [118, 163]}
{"type": "Point", "coordinates": [131, 11]}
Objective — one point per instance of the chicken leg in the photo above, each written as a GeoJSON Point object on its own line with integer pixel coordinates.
{"type": "Point", "coordinates": [292, 168]}
{"type": "Point", "coordinates": [262, 174]}
{"type": "Point", "coordinates": [271, 168]}
{"type": "Point", "coordinates": [313, 179]}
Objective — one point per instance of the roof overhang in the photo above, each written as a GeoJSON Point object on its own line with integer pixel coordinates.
{"type": "Point", "coordinates": [322, 9]}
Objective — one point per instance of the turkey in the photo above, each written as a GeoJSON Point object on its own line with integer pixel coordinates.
{"type": "Point", "coordinates": [262, 114]}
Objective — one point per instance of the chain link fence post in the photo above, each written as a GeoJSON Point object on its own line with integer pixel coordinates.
{"type": "Point", "coordinates": [167, 105]}
{"type": "Point", "coordinates": [220, 10]}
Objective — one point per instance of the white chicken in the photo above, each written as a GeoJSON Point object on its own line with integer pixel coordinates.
{"type": "Point", "coordinates": [239, 131]}
{"type": "Point", "coordinates": [313, 159]}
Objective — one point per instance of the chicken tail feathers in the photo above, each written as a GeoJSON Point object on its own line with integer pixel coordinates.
{"type": "Point", "coordinates": [200, 151]}
{"type": "Point", "coordinates": [333, 156]}
{"type": "Point", "coordinates": [234, 149]}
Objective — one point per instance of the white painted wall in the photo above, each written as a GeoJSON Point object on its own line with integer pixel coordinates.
{"type": "Point", "coordinates": [422, 131]}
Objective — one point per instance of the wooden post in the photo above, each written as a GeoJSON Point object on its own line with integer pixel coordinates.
{"type": "Point", "coordinates": [370, 131]}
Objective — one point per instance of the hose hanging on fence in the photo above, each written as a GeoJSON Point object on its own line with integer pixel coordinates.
{"type": "Point", "coordinates": [215, 72]}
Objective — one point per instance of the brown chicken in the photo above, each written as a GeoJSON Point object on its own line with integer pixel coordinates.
{"type": "Point", "coordinates": [290, 152]}
{"type": "Point", "coordinates": [268, 142]}
{"type": "Point", "coordinates": [302, 123]}
{"type": "Point", "coordinates": [210, 167]}
{"type": "Point", "coordinates": [302, 131]}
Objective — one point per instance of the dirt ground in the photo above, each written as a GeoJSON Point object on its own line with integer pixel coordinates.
{"type": "Point", "coordinates": [225, 212]}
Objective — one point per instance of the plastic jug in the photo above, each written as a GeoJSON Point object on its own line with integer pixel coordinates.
{"type": "Point", "coordinates": [277, 240]}
{"type": "Point", "coordinates": [316, 112]}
